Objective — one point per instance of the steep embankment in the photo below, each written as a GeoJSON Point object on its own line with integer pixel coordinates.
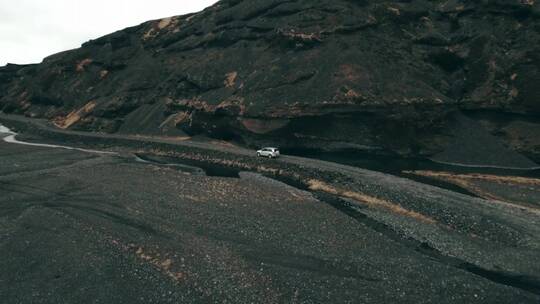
{"type": "Point", "coordinates": [388, 76]}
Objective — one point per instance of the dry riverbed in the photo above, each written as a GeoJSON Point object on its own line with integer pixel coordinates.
{"type": "Point", "coordinates": [80, 227]}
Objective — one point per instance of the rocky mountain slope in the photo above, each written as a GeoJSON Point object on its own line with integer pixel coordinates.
{"type": "Point", "coordinates": [389, 76]}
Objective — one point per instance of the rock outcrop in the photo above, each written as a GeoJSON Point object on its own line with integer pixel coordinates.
{"type": "Point", "coordinates": [382, 75]}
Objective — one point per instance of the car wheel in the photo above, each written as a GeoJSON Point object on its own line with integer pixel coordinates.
{"type": "Point", "coordinates": [258, 154]}
{"type": "Point", "coordinates": [269, 155]}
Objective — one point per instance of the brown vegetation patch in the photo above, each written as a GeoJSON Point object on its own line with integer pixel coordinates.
{"type": "Point", "coordinates": [161, 263]}
{"type": "Point", "coordinates": [180, 118]}
{"type": "Point", "coordinates": [103, 74]}
{"type": "Point", "coordinates": [74, 116]}
{"type": "Point", "coordinates": [81, 65]}
{"type": "Point", "coordinates": [174, 120]}
{"type": "Point", "coordinates": [224, 143]}
{"type": "Point", "coordinates": [394, 11]}
{"type": "Point", "coordinates": [467, 181]}
{"type": "Point", "coordinates": [193, 104]}
{"type": "Point", "coordinates": [371, 201]}
{"type": "Point", "coordinates": [352, 94]}
{"type": "Point", "coordinates": [475, 176]}
{"type": "Point", "coordinates": [292, 34]}
{"type": "Point", "coordinates": [163, 23]}
{"type": "Point", "coordinates": [231, 106]}
{"type": "Point", "coordinates": [149, 34]}
{"type": "Point", "coordinates": [170, 138]}
{"type": "Point", "coordinates": [230, 79]}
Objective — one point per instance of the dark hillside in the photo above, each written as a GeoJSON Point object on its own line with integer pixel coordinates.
{"type": "Point", "coordinates": [380, 75]}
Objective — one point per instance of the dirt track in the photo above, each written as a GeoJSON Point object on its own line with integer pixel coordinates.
{"type": "Point", "coordinates": [78, 227]}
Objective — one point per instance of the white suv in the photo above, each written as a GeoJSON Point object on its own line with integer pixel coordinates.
{"type": "Point", "coordinates": [268, 152]}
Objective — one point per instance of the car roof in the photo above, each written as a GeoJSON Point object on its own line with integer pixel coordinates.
{"type": "Point", "coordinates": [271, 148]}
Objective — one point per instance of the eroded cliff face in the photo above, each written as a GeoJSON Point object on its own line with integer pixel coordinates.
{"type": "Point", "coordinates": [383, 75]}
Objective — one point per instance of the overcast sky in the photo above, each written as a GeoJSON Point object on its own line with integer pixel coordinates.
{"type": "Point", "coordinates": [33, 29]}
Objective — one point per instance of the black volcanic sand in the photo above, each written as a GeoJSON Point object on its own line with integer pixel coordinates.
{"type": "Point", "coordinates": [100, 229]}
{"type": "Point", "coordinates": [78, 227]}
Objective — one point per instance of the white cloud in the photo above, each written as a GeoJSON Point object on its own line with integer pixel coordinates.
{"type": "Point", "coordinates": [33, 29]}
